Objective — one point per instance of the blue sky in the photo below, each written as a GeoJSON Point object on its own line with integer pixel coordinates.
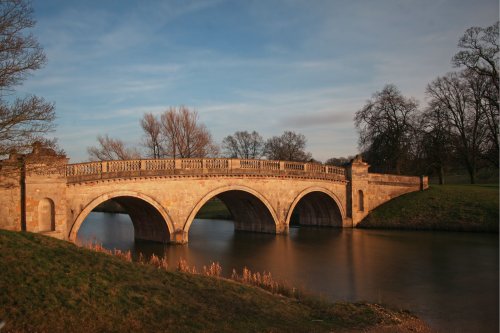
{"type": "Point", "coordinates": [268, 66]}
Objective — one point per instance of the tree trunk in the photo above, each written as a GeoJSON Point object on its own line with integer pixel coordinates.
{"type": "Point", "coordinates": [471, 169]}
{"type": "Point", "coordinates": [472, 175]}
{"type": "Point", "coordinates": [441, 175]}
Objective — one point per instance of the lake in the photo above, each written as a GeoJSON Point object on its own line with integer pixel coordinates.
{"type": "Point", "coordinates": [449, 279]}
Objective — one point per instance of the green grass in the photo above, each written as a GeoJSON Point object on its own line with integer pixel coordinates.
{"type": "Point", "coordinates": [441, 207]}
{"type": "Point", "coordinates": [47, 285]}
{"type": "Point", "coordinates": [483, 176]}
{"type": "Point", "coordinates": [214, 209]}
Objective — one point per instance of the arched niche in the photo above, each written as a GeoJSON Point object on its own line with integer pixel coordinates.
{"type": "Point", "coordinates": [361, 201]}
{"type": "Point", "coordinates": [46, 215]}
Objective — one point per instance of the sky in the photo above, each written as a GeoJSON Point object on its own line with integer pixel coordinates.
{"type": "Point", "coordinates": [267, 65]}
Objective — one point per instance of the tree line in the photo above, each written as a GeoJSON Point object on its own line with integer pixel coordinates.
{"type": "Point", "coordinates": [178, 133]}
{"type": "Point", "coordinates": [459, 125]}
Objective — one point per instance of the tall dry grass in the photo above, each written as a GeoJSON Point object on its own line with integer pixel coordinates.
{"type": "Point", "coordinates": [97, 247]}
{"type": "Point", "coordinates": [263, 280]}
{"type": "Point", "coordinates": [160, 263]}
{"type": "Point", "coordinates": [183, 266]}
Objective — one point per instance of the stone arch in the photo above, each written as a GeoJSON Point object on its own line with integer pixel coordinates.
{"type": "Point", "coordinates": [141, 208]}
{"type": "Point", "coordinates": [240, 199]}
{"type": "Point", "coordinates": [361, 201]}
{"type": "Point", "coordinates": [320, 204]}
{"type": "Point", "coordinates": [46, 215]}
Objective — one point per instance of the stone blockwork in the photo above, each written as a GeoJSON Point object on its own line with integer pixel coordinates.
{"type": "Point", "coordinates": [41, 193]}
{"type": "Point", "coordinates": [257, 203]}
{"type": "Point", "coordinates": [367, 190]}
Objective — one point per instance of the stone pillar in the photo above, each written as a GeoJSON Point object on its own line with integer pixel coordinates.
{"type": "Point", "coordinates": [179, 237]}
{"type": "Point", "coordinates": [45, 192]}
{"type": "Point", "coordinates": [357, 190]}
{"type": "Point", "coordinates": [282, 229]}
{"type": "Point", "coordinates": [424, 183]}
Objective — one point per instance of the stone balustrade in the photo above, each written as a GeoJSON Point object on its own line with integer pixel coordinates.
{"type": "Point", "coordinates": [192, 166]}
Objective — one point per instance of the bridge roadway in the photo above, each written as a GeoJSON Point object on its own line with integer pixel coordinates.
{"type": "Point", "coordinates": [163, 196]}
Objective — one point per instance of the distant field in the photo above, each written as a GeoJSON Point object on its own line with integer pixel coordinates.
{"type": "Point", "coordinates": [214, 209]}
{"type": "Point", "coordinates": [441, 207]}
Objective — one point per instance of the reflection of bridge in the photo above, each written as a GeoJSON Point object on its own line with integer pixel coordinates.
{"type": "Point", "coordinates": [41, 192]}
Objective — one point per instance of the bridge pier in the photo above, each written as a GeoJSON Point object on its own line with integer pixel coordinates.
{"type": "Point", "coordinates": [282, 229]}
{"type": "Point", "coordinates": [179, 237]}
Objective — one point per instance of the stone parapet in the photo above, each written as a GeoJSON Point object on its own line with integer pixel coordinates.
{"type": "Point", "coordinates": [199, 166]}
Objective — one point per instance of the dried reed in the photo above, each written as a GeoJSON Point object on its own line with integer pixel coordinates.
{"type": "Point", "coordinates": [262, 280]}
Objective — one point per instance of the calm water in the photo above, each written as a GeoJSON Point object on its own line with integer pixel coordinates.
{"type": "Point", "coordinates": [448, 279]}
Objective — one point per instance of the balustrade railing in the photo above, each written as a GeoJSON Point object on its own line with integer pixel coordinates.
{"type": "Point", "coordinates": [250, 164]}
{"type": "Point", "coordinates": [158, 164]}
{"type": "Point", "coordinates": [134, 168]}
{"type": "Point", "coordinates": [295, 166]}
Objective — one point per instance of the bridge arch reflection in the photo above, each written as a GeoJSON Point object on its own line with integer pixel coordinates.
{"type": "Point", "coordinates": [150, 220]}
{"type": "Point", "coordinates": [251, 211]}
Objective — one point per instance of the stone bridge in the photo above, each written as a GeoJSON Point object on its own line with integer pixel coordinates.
{"type": "Point", "coordinates": [41, 192]}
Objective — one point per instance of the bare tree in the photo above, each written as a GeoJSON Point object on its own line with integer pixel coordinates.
{"type": "Point", "coordinates": [111, 149]}
{"type": "Point", "coordinates": [24, 122]}
{"type": "Point", "coordinates": [152, 135]}
{"type": "Point", "coordinates": [459, 94]}
{"type": "Point", "coordinates": [339, 161]}
{"type": "Point", "coordinates": [436, 143]}
{"type": "Point", "coordinates": [479, 54]}
{"type": "Point", "coordinates": [184, 136]}
{"type": "Point", "coordinates": [478, 90]}
{"type": "Point", "coordinates": [492, 115]}
{"type": "Point", "coordinates": [386, 130]}
{"type": "Point", "coordinates": [27, 119]}
{"type": "Point", "coordinates": [289, 147]}
{"type": "Point", "coordinates": [243, 145]}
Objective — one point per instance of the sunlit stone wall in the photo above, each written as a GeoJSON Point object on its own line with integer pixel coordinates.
{"type": "Point", "coordinates": [41, 192]}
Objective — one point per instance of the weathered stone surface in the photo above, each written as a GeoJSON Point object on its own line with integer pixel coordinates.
{"type": "Point", "coordinates": [162, 197]}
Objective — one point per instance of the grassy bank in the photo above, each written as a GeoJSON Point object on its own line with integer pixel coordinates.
{"type": "Point", "coordinates": [441, 207]}
{"type": "Point", "coordinates": [53, 286]}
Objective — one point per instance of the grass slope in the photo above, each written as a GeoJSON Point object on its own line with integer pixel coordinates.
{"type": "Point", "coordinates": [47, 285]}
{"type": "Point", "coordinates": [441, 207]}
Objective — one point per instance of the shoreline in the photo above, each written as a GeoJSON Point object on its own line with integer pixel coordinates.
{"type": "Point", "coordinates": [83, 286]}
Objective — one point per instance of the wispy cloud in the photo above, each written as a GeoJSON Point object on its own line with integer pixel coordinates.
{"type": "Point", "coordinates": [318, 119]}
{"type": "Point", "coordinates": [244, 65]}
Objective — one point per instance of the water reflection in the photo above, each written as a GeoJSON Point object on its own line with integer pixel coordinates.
{"type": "Point", "coordinates": [449, 279]}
